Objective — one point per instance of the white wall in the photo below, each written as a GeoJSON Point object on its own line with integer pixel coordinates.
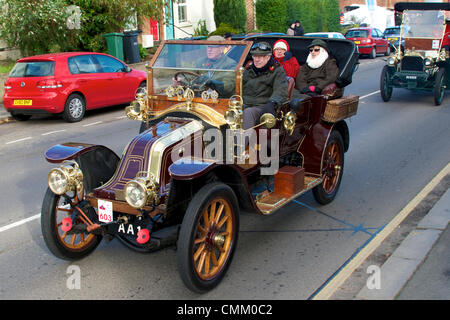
{"type": "Point", "coordinates": [196, 10]}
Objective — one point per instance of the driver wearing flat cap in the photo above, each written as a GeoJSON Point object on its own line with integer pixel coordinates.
{"type": "Point", "coordinates": [264, 85]}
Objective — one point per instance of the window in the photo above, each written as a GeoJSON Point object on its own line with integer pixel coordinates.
{"type": "Point", "coordinates": [33, 69]}
{"type": "Point", "coordinates": [82, 64]}
{"type": "Point", "coordinates": [182, 11]}
{"type": "Point", "coordinates": [109, 64]}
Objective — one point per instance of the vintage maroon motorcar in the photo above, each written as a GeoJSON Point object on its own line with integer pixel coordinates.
{"type": "Point", "coordinates": [184, 178]}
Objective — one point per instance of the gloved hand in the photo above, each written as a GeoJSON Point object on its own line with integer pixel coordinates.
{"type": "Point", "coordinates": [305, 90]}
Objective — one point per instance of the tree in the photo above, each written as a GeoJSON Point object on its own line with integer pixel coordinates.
{"type": "Point", "coordinates": [230, 12]}
{"type": "Point", "coordinates": [271, 15]}
{"type": "Point", "coordinates": [105, 16]}
{"type": "Point", "coordinates": [36, 26]}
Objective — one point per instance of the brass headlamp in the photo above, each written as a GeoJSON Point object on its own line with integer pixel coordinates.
{"type": "Point", "coordinates": [141, 191]}
{"type": "Point", "coordinates": [234, 114]}
{"type": "Point", "coordinates": [67, 177]}
{"type": "Point", "coordinates": [137, 110]}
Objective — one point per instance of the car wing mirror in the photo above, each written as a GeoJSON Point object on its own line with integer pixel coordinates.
{"type": "Point", "coordinates": [126, 69]}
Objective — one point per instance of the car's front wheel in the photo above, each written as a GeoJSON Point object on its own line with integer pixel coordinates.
{"type": "Point", "coordinates": [439, 87]}
{"type": "Point", "coordinates": [68, 245]}
{"type": "Point", "coordinates": [208, 237]}
{"type": "Point", "coordinates": [385, 85]}
{"type": "Point", "coordinates": [373, 53]}
{"type": "Point", "coordinates": [74, 108]}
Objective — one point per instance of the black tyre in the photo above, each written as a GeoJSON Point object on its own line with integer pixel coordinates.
{"type": "Point", "coordinates": [208, 237]}
{"type": "Point", "coordinates": [21, 117]}
{"type": "Point", "coordinates": [332, 169]}
{"type": "Point", "coordinates": [439, 87]}
{"type": "Point", "coordinates": [75, 108]}
{"type": "Point", "coordinates": [373, 53]}
{"type": "Point", "coordinates": [63, 244]}
{"type": "Point", "coordinates": [388, 50]}
{"type": "Point", "coordinates": [385, 84]}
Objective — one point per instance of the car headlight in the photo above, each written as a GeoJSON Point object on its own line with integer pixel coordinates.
{"type": "Point", "coordinates": [136, 110]}
{"type": "Point", "coordinates": [391, 61]}
{"type": "Point", "coordinates": [233, 116]}
{"type": "Point", "coordinates": [140, 191]}
{"type": "Point", "coordinates": [67, 177]}
{"type": "Point", "coordinates": [428, 62]}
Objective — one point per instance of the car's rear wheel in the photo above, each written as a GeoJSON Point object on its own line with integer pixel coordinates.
{"type": "Point", "coordinates": [64, 244]}
{"type": "Point", "coordinates": [74, 108]}
{"type": "Point", "coordinates": [388, 50]}
{"type": "Point", "coordinates": [385, 85]}
{"type": "Point", "coordinates": [208, 237]}
{"type": "Point", "coordinates": [373, 53]}
{"type": "Point", "coordinates": [332, 169]}
{"type": "Point", "coordinates": [439, 87]}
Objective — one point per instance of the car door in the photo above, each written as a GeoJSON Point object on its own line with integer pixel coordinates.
{"type": "Point", "coordinates": [85, 79]}
{"type": "Point", "coordinates": [117, 78]}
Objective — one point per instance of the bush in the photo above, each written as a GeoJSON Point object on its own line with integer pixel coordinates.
{"type": "Point", "coordinates": [271, 15]}
{"type": "Point", "coordinates": [36, 26]}
{"type": "Point", "coordinates": [224, 28]}
{"type": "Point", "coordinates": [232, 13]}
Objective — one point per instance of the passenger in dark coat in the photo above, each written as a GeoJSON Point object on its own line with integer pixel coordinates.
{"type": "Point", "coordinates": [298, 31]}
{"type": "Point", "coordinates": [264, 85]}
{"type": "Point", "coordinates": [319, 70]}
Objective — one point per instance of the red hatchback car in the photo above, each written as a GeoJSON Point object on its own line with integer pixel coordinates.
{"type": "Point", "coordinates": [370, 41]}
{"type": "Point", "coordinates": [69, 83]}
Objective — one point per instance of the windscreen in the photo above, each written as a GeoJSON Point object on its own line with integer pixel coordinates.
{"type": "Point", "coordinates": [200, 67]}
{"type": "Point", "coordinates": [357, 34]}
{"type": "Point", "coordinates": [33, 69]}
{"type": "Point", "coordinates": [423, 24]}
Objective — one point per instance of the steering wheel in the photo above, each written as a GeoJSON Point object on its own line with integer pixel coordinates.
{"type": "Point", "coordinates": [191, 80]}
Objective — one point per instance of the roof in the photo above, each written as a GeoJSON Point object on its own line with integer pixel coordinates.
{"type": "Point", "coordinates": [400, 6]}
{"type": "Point", "coordinates": [54, 56]}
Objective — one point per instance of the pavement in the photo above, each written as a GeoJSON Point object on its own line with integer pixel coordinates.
{"type": "Point", "coordinates": [419, 268]}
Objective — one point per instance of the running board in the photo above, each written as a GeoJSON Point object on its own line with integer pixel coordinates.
{"type": "Point", "coordinates": [286, 190]}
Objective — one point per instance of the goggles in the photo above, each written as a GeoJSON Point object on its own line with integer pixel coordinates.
{"type": "Point", "coordinates": [261, 46]}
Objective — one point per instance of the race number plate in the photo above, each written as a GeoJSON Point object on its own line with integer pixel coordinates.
{"type": "Point", "coordinates": [105, 211]}
{"type": "Point", "coordinates": [23, 102]}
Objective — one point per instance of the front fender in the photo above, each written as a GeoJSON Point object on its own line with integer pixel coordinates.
{"type": "Point", "coordinates": [97, 162]}
{"type": "Point", "coordinates": [187, 169]}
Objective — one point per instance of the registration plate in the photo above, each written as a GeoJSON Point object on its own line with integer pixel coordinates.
{"type": "Point", "coordinates": [128, 229]}
{"type": "Point", "coordinates": [411, 77]}
{"type": "Point", "coordinates": [23, 102]}
{"type": "Point", "coordinates": [357, 42]}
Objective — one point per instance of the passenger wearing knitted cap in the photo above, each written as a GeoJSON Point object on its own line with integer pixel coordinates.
{"type": "Point", "coordinates": [319, 70]}
{"type": "Point", "coordinates": [285, 58]}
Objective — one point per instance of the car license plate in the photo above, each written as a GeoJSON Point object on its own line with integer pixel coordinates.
{"type": "Point", "coordinates": [411, 77]}
{"type": "Point", "coordinates": [357, 42]}
{"type": "Point", "coordinates": [105, 211]}
{"type": "Point", "coordinates": [128, 229]}
{"type": "Point", "coordinates": [23, 102]}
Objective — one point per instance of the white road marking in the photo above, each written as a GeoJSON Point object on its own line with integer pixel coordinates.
{"type": "Point", "coordinates": [23, 139]}
{"type": "Point", "coordinates": [370, 94]}
{"type": "Point", "coordinates": [51, 132]}
{"type": "Point", "coordinates": [19, 223]}
{"type": "Point", "coordinates": [92, 124]}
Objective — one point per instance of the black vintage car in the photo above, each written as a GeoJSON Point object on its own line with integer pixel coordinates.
{"type": "Point", "coordinates": [178, 181]}
{"type": "Point", "coordinates": [422, 63]}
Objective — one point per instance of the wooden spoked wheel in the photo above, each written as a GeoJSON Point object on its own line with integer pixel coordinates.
{"type": "Point", "coordinates": [67, 245]}
{"type": "Point", "coordinates": [72, 241]}
{"type": "Point", "coordinates": [332, 169]}
{"type": "Point", "coordinates": [332, 166]}
{"type": "Point", "coordinates": [208, 237]}
{"type": "Point", "coordinates": [213, 238]}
